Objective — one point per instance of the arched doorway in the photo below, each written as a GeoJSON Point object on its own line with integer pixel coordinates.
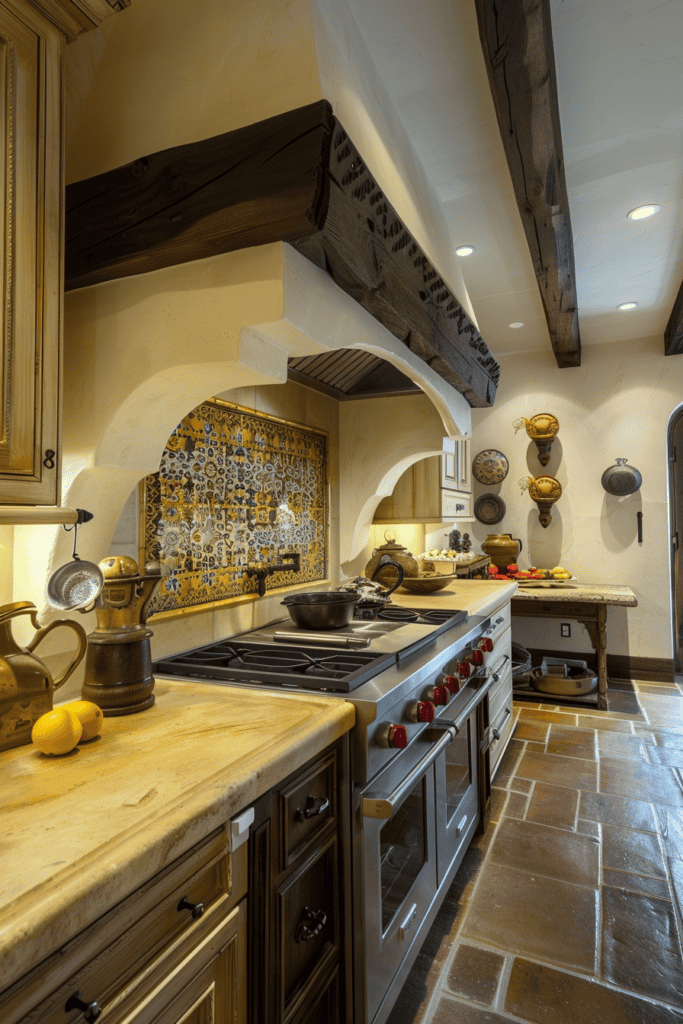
{"type": "Point", "coordinates": [675, 460]}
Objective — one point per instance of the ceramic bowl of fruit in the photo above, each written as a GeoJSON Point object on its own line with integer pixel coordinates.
{"type": "Point", "coordinates": [426, 582]}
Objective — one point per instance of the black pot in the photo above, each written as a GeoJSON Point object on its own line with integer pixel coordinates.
{"type": "Point", "coordinates": [323, 609]}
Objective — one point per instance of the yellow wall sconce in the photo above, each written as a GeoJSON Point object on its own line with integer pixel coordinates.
{"type": "Point", "coordinates": [545, 491]}
{"type": "Point", "coordinates": [542, 429]}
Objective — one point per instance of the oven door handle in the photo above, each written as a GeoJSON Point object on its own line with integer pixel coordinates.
{"type": "Point", "coordinates": [385, 805]}
{"type": "Point", "coordinates": [457, 724]}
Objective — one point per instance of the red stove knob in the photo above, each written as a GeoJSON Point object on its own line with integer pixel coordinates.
{"type": "Point", "coordinates": [476, 657]}
{"type": "Point", "coordinates": [395, 736]}
{"type": "Point", "coordinates": [438, 695]}
{"type": "Point", "coordinates": [464, 669]}
{"type": "Point", "coordinates": [422, 711]}
{"type": "Point", "coordinates": [486, 644]}
{"type": "Point", "coordinates": [452, 682]}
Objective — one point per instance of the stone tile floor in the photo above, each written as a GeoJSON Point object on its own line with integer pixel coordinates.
{"type": "Point", "coordinates": [568, 910]}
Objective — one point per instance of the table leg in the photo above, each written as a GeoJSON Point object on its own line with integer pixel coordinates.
{"type": "Point", "coordinates": [598, 634]}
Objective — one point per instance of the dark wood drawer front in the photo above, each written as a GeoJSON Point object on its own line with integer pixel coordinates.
{"type": "Point", "coordinates": [309, 925]}
{"type": "Point", "coordinates": [325, 1008]}
{"type": "Point", "coordinates": [306, 806]}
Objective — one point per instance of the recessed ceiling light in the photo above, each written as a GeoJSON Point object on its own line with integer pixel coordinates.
{"type": "Point", "coordinates": [627, 305]}
{"type": "Point", "coordinates": [516, 325]}
{"type": "Point", "coordinates": [641, 212]}
{"type": "Point", "coordinates": [464, 250]}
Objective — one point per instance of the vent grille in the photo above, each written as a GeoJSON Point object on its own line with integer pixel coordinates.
{"type": "Point", "coordinates": [350, 373]}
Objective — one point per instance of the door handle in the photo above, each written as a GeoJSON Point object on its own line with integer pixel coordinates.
{"type": "Point", "coordinates": [384, 805]}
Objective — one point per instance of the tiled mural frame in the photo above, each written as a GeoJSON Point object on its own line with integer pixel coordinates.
{"type": "Point", "coordinates": [234, 486]}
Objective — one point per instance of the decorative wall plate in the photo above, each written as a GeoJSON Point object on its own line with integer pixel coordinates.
{"type": "Point", "coordinates": [489, 509]}
{"type": "Point", "coordinates": [490, 467]}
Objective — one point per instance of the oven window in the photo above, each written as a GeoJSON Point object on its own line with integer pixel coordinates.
{"type": "Point", "coordinates": [402, 851]}
{"type": "Point", "coordinates": [458, 770]}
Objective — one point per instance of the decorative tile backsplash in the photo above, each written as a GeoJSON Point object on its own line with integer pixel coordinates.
{"type": "Point", "coordinates": [233, 488]}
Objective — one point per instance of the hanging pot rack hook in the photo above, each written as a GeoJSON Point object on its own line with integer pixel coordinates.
{"type": "Point", "coordinates": [83, 516]}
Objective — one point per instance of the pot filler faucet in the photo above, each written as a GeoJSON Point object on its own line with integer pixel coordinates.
{"type": "Point", "coordinates": [291, 563]}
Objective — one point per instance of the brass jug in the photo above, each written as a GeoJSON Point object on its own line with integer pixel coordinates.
{"type": "Point", "coordinates": [502, 549]}
{"type": "Point", "coordinates": [26, 683]}
{"type": "Point", "coordinates": [118, 668]}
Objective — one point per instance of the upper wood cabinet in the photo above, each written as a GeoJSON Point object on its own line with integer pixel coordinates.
{"type": "Point", "coordinates": [433, 490]}
{"type": "Point", "coordinates": [32, 40]}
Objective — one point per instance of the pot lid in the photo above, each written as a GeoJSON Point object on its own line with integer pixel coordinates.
{"type": "Point", "coordinates": [391, 543]}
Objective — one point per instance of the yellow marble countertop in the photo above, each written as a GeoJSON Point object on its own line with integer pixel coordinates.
{"type": "Point", "coordinates": [592, 593]}
{"type": "Point", "coordinates": [478, 597]}
{"type": "Point", "coordinates": [82, 831]}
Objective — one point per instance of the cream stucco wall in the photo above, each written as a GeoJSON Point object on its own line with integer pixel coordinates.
{"type": "Point", "coordinates": [616, 404]}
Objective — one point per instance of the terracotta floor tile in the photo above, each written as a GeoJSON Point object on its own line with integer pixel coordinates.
{"type": "Point", "coordinates": [640, 948]}
{"type": "Point", "coordinates": [668, 738]}
{"type": "Point", "coordinates": [449, 1011]}
{"type": "Point", "coordinates": [547, 716]}
{"type": "Point", "coordinates": [618, 810]}
{"type": "Point", "coordinates": [572, 742]}
{"type": "Point", "coordinates": [553, 852]}
{"type": "Point", "coordinates": [661, 689]}
{"type": "Point", "coordinates": [670, 704]}
{"type": "Point", "coordinates": [521, 785]}
{"type": "Point", "coordinates": [620, 745]}
{"type": "Point", "coordinates": [538, 748]}
{"type": "Point", "coordinates": [508, 762]}
{"type": "Point", "coordinates": [606, 724]}
{"type": "Point", "coordinates": [671, 829]}
{"type": "Point", "coordinates": [636, 883]}
{"type": "Point", "coordinates": [516, 805]}
{"type": "Point", "coordinates": [588, 828]}
{"type": "Point", "coordinates": [534, 916]}
{"type": "Point", "coordinates": [543, 995]}
{"type": "Point", "coordinates": [610, 716]}
{"type": "Point", "coordinates": [537, 731]}
{"type": "Point", "coordinates": [559, 771]}
{"type": "Point", "coordinates": [628, 850]}
{"type": "Point", "coordinates": [498, 800]}
{"type": "Point", "coordinates": [672, 757]}
{"type": "Point", "coordinates": [649, 782]}
{"type": "Point", "coordinates": [475, 973]}
{"type": "Point", "coordinates": [553, 805]}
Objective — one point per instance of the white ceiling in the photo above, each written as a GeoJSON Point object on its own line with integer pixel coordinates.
{"type": "Point", "coordinates": [620, 85]}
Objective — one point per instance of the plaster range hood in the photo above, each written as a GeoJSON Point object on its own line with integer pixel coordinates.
{"type": "Point", "coordinates": [347, 374]}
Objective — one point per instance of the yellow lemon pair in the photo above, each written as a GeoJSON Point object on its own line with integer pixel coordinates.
{"type": "Point", "coordinates": [62, 729]}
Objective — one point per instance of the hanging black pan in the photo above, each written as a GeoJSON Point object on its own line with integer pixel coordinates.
{"type": "Point", "coordinates": [621, 479]}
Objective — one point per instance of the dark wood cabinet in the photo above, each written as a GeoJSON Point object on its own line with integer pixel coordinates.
{"type": "Point", "coordinates": [299, 884]}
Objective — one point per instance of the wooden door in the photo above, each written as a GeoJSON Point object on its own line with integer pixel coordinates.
{"type": "Point", "coordinates": [31, 51]}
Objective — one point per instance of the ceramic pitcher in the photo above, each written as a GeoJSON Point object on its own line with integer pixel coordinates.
{"type": "Point", "coordinates": [26, 683]}
{"type": "Point", "coordinates": [502, 549]}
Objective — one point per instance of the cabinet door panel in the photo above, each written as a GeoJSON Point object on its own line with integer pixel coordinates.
{"type": "Point", "coordinates": [30, 224]}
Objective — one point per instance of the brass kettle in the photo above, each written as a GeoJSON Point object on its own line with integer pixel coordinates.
{"type": "Point", "coordinates": [394, 552]}
{"type": "Point", "coordinates": [26, 683]}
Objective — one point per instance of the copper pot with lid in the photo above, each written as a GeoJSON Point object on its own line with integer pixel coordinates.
{"type": "Point", "coordinates": [394, 552]}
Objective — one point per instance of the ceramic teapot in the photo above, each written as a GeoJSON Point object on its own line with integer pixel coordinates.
{"type": "Point", "coordinates": [26, 683]}
{"type": "Point", "coordinates": [502, 549]}
{"type": "Point", "coordinates": [394, 552]}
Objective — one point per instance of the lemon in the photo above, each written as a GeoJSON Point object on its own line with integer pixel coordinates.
{"type": "Point", "coordinates": [56, 732]}
{"type": "Point", "coordinates": [89, 715]}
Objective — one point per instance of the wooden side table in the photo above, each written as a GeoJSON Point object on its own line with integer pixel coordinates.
{"type": "Point", "coordinates": [588, 604]}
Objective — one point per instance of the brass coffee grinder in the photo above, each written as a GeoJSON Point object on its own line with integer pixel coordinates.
{"type": "Point", "coordinates": [118, 664]}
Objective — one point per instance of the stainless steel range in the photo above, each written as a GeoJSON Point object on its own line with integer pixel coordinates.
{"type": "Point", "coordinates": [420, 682]}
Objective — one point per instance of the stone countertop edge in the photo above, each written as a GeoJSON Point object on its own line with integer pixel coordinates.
{"type": "Point", "coordinates": [41, 918]}
{"type": "Point", "coordinates": [587, 593]}
{"type": "Point", "coordinates": [477, 597]}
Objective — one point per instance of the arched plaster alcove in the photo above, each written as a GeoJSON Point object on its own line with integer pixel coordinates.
{"type": "Point", "coordinates": [141, 352]}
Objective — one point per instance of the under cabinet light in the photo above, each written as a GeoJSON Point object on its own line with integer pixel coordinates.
{"type": "Point", "coordinates": [627, 305]}
{"type": "Point", "coordinates": [516, 324]}
{"type": "Point", "coordinates": [465, 250]}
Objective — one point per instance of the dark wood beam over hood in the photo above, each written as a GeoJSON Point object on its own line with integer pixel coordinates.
{"type": "Point", "coordinates": [295, 178]}
{"type": "Point", "coordinates": [516, 38]}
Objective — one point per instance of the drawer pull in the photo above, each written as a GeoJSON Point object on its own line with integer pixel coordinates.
{"type": "Point", "coordinates": [197, 909]}
{"type": "Point", "coordinates": [91, 1011]}
{"type": "Point", "coordinates": [309, 918]}
{"type": "Point", "coordinates": [314, 806]}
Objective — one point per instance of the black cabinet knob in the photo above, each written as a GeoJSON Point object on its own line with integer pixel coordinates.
{"type": "Point", "coordinates": [91, 1011]}
{"type": "Point", "coordinates": [196, 909]}
{"type": "Point", "coordinates": [310, 924]}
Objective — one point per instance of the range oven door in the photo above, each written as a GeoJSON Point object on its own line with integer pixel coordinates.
{"type": "Point", "coordinates": [397, 858]}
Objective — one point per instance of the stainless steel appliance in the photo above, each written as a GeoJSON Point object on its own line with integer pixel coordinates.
{"type": "Point", "coordinates": [419, 681]}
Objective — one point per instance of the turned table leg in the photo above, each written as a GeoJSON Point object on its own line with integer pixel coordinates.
{"type": "Point", "coordinates": [598, 634]}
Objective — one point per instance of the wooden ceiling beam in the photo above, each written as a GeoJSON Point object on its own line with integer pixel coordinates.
{"type": "Point", "coordinates": [673, 335]}
{"type": "Point", "coordinates": [296, 178]}
{"type": "Point", "coordinates": [516, 38]}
